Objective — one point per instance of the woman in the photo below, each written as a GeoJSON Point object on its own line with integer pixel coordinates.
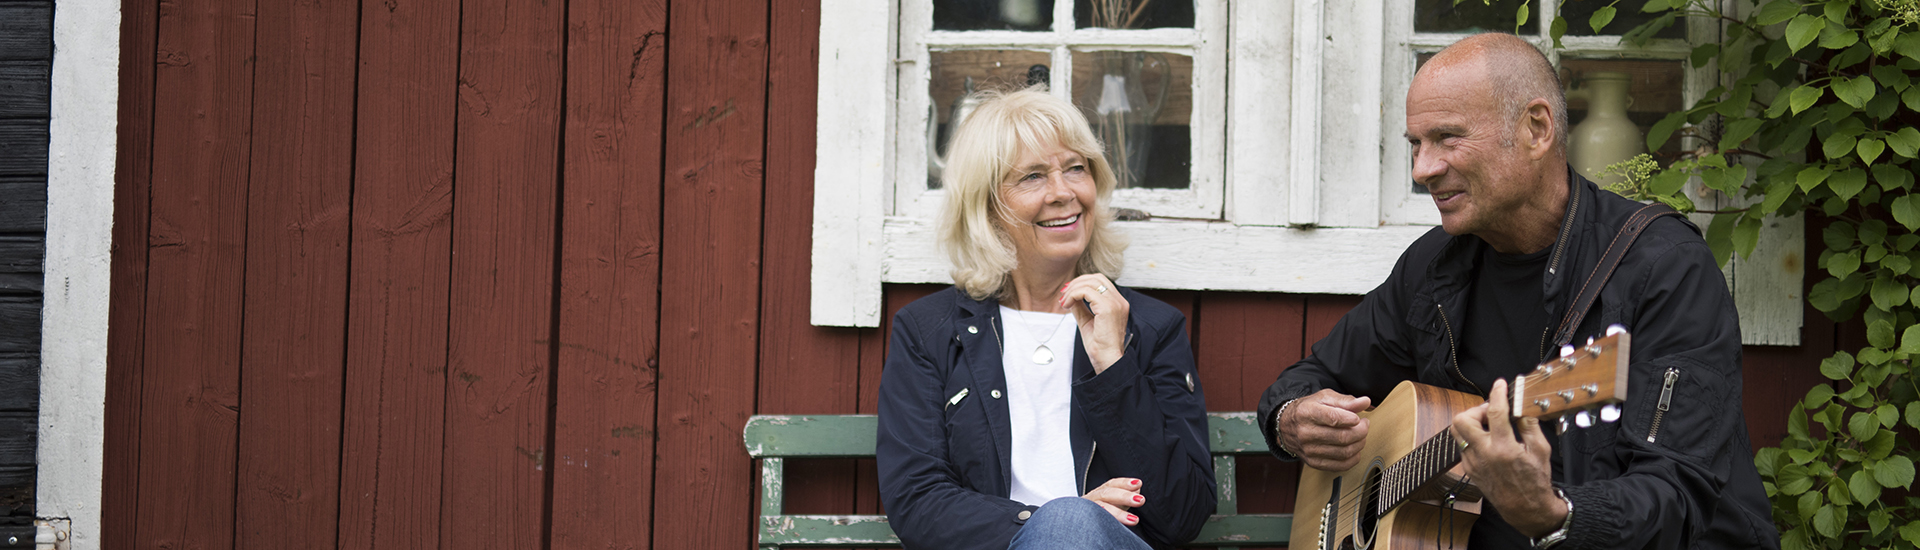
{"type": "Point", "coordinates": [1035, 402]}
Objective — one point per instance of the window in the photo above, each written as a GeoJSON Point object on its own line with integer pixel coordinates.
{"type": "Point", "coordinates": [1273, 131]}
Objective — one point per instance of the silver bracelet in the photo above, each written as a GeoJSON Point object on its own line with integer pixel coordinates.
{"type": "Point", "coordinates": [1558, 535]}
{"type": "Point", "coordinates": [1276, 428]}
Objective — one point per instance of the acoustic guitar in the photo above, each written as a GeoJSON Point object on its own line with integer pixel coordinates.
{"type": "Point", "coordinates": [1406, 491]}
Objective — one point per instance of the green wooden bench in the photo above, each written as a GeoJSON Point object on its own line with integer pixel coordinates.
{"type": "Point", "coordinates": [773, 439]}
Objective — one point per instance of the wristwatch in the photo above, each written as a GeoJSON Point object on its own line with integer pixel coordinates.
{"type": "Point", "coordinates": [1550, 539]}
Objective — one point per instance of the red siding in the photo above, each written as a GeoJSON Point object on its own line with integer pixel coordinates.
{"type": "Point", "coordinates": [498, 273]}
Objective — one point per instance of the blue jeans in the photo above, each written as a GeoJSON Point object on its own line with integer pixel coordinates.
{"type": "Point", "coordinates": [1074, 522]}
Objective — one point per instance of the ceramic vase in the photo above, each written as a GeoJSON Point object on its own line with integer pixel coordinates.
{"type": "Point", "coordinates": [1605, 136]}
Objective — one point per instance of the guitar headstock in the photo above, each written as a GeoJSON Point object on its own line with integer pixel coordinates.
{"type": "Point", "coordinates": [1583, 377]}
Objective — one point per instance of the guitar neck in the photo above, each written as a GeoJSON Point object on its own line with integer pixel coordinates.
{"type": "Point", "coordinates": [1423, 464]}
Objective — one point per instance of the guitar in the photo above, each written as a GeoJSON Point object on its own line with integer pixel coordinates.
{"type": "Point", "coordinates": [1406, 491]}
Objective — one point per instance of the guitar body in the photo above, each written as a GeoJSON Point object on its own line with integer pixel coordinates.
{"type": "Point", "coordinates": [1409, 415]}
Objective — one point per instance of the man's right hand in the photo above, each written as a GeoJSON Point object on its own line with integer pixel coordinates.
{"type": "Point", "coordinates": [1325, 429]}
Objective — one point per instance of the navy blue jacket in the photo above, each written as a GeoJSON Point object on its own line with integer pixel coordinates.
{"type": "Point", "coordinates": [944, 466]}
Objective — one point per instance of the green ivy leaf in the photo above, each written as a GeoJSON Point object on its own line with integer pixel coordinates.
{"type": "Point", "coordinates": [1802, 30]}
{"type": "Point", "coordinates": [1835, 37]}
{"type": "Point", "coordinates": [1895, 471]}
{"type": "Point", "coordinates": [1906, 212]}
{"type": "Point", "coordinates": [1600, 19]}
{"type": "Point", "coordinates": [1891, 77]}
{"type": "Point", "coordinates": [1880, 332]}
{"type": "Point", "coordinates": [1855, 91]}
{"type": "Point", "coordinates": [1843, 264]}
{"type": "Point", "coordinates": [1848, 183]}
{"type": "Point", "coordinates": [1822, 296]}
{"type": "Point", "coordinates": [1838, 145]}
{"type": "Point", "coordinates": [1738, 131]}
{"type": "Point", "coordinates": [1725, 180]}
{"type": "Point", "coordinates": [1869, 149]}
{"type": "Point", "coordinates": [1878, 520]}
{"type": "Point", "coordinates": [1828, 520]}
{"type": "Point", "coordinates": [1837, 11]}
{"type": "Point", "coordinates": [1889, 415]}
{"type": "Point", "coordinates": [1908, 45]}
{"type": "Point", "coordinates": [1794, 481]}
{"type": "Point", "coordinates": [1838, 367]}
{"type": "Point", "coordinates": [1892, 177]}
{"type": "Point", "coordinates": [1905, 142]}
{"type": "Point", "coordinates": [1667, 182]}
{"type": "Point", "coordinates": [1810, 178]}
{"type": "Point", "coordinates": [1838, 492]}
{"type": "Point", "coordinates": [1746, 236]}
{"type": "Point", "coordinates": [1872, 233]}
{"type": "Point", "coordinates": [1911, 532]}
{"type": "Point", "coordinates": [1881, 445]}
{"type": "Point", "coordinates": [1701, 54]}
{"type": "Point", "coordinates": [1658, 135]}
{"type": "Point", "coordinates": [1899, 265]}
{"type": "Point", "coordinates": [1862, 426]}
{"type": "Point", "coordinates": [1804, 96]}
{"type": "Point", "coordinates": [1558, 29]}
{"type": "Point", "coordinates": [1913, 415]}
{"type": "Point", "coordinates": [1775, 12]}
{"type": "Point", "coordinates": [1520, 16]}
{"type": "Point", "coordinates": [1862, 487]}
{"type": "Point", "coordinates": [1720, 237]}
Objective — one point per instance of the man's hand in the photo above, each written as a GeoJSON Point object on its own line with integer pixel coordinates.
{"type": "Point", "coordinates": [1118, 495]}
{"type": "Point", "coordinates": [1515, 475]}
{"type": "Point", "coordinates": [1325, 429]}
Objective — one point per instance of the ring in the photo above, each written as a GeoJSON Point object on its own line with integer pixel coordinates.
{"type": "Point", "coordinates": [1101, 288]}
{"type": "Point", "coordinates": [1463, 444]}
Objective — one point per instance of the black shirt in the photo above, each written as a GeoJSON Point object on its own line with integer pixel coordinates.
{"type": "Point", "coordinates": [1510, 324]}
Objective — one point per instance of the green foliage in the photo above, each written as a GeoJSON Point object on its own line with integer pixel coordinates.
{"type": "Point", "coordinates": [1815, 111]}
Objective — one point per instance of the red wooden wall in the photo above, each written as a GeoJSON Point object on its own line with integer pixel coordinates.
{"type": "Point", "coordinates": [511, 273]}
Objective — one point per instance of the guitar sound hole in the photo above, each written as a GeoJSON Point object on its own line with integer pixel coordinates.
{"type": "Point", "coordinates": [1369, 499]}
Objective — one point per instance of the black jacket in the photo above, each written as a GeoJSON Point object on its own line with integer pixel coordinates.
{"type": "Point", "coordinates": [944, 465]}
{"type": "Point", "coordinates": [1690, 484]}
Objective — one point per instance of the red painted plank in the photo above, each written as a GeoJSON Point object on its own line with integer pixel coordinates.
{"type": "Point", "coordinates": [299, 197]}
{"type": "Point", "coordinates": [395, 396]}
{"type": "Point", "coordinates": [710, 283]}
{"type": "Point", "coordinates": [803, 369]}
{"type": "Point", "coordinates": [128, 296]}
{"type": "Point", "coordinates": [191, 388]}
{"type": "Point", "coordinates": [1323, 312]}
{"type": "Point", "coordinates": [1249, 338]}
{"type": "Point", "coordinates": [501, 302]}
{"type": "Point", "coordinates": [604, 397]}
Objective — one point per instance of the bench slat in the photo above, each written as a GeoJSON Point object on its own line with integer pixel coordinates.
{"type": "Point", "coordinates": [1245, 530]}
{"type": "Point", "coordinates": [851, 531]}
{"type": "Point", "coordinates": [852, 435]}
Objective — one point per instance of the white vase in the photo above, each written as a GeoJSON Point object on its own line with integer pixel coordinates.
{"type": "Point", "coordinates": [1606, 136]}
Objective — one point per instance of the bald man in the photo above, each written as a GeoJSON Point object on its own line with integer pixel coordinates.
{"type": "Point", "coordinates": [1475, 302]}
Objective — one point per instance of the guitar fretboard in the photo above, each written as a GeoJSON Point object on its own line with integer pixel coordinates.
{"type": "Point", "coordinates": [1399, 481]}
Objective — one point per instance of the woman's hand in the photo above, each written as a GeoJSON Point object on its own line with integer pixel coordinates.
{"type": "Point", "coordinates": [1102, 315]}
{"type": "Point", "coordinates": [1118, 495]}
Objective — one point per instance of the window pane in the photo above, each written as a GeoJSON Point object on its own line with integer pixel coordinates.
{"type": "Point", "coordinates": [1651, 89]}
{"type": "Point", "coordinates": [955, 74]}
{"type": "Point", "coordinates": [992, 15]}
{"type": "Point", "coordinates": [1139, 104]}
{"type": "Point", "coordinates": [1467, 16]}
{"type": "Point", "coordinates": [1133, 14]}
{"type": "Point", "coordinates": [1579, 15]}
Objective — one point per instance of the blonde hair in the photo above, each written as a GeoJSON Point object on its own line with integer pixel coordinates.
{"type": "Point", "coordinates": [982, 154]}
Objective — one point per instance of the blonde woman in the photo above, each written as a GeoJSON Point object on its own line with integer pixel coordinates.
{"type": "Point", "coordinates": [1035, 403]}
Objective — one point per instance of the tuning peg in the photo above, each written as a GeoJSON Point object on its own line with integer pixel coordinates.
{"type": "Point", "coordinates": [1615, 329]}
{"type": "Point", "coordinates": [1582, 419]}
{"type": "Point", "coordinates": [1566, 351]}
{"type": "Point", "coordinates": [1610, 413]}
{"type": "Point", "coordinates": [1562, 426]}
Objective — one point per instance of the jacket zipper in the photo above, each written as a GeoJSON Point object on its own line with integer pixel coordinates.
{"type": "Point", "coordinates": [1452, 353]}
{"type": "Point", "coordinates": [1573, 207]}
{"type": "Point", "coordinates": [1666, 402]}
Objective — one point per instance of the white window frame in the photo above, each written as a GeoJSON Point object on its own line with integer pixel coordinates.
{"type": "Point", "coordinates": [1307, 172]}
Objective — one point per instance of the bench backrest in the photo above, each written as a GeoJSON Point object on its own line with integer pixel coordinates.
{"type": "Point", "coordinates": [772, 439]}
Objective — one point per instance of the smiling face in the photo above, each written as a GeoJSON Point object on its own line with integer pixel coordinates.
{"type": "Point", "coordinates": [1465, 152]}
{"type": "Point", "coordinates": [1047, 203]}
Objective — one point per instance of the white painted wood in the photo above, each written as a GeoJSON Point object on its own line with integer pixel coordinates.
{"type": "Point", "coordinates": [1260, 105]}
{"type": "Point", "coordinates": [853, 156]}
{"type": "Point", "coordinates": [1303, 162]}
{"type": "Point", "coordinates": [1351, 122]}
{"type": "Point", "coordinates": [73, 349]}
{"type": "Point", "coordinates": [1205, 256]}
{"type": "Point", "coordinates": [1097, 38]}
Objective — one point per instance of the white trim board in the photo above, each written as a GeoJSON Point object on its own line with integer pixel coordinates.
{"type": "Point", "coordinates": [73, 349]}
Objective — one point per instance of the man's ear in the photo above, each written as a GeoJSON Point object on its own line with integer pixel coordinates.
{"type": "Point", "coordinates": [1536, 128]}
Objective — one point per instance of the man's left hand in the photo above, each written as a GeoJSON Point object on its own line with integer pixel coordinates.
{"type": "Point", "coordinates": [1515, 474]}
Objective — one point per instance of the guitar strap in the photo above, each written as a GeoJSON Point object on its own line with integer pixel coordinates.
{"type": "Point", "coordinates": [1590, 291]}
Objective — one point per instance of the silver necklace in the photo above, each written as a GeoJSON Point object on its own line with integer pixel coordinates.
{"type": "Point", "coordinates": [1042, 355]}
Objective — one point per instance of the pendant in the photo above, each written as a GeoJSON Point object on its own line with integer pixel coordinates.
{"type": "Point", "coordinates": [1042, 355]}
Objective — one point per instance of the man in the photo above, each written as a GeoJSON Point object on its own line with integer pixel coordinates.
{"type": "Point", "coordinates": [1476, 301]}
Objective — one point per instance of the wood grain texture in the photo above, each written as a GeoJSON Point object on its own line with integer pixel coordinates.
{"type": "Point", "coordinates": [126, 311]}
{"type": "Point", "coordinates": [608, 338]}
{"type": "Point", "coordinates": [20, 381]}
{"type": "Point", "coordinates": [24, 88]}
{"type": "Point", "coordinates": [298, 205]}
{"type": "Point", "coordinates": [500, 306]}
{"type": "Point", "coordinates": [392, 445]}
{"type": "Point", "coordinates": [23, 204]}
{"type": "Point", "coordinates": [1249, 338]}
{"type": "Point", "coordinates": [17, 443]}
{"type": "Point", "coordinates": [22, 259]}
{"type": "Point", "coordinates": [709, 307]}
{"type": "Point", "coordinates": [195, 255]}
{"type": "Point", "coordinates": [26, 30]}
{"type": "Point", "coordinates": [23, 146]}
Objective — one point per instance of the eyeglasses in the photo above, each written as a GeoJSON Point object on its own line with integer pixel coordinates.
{"type": "Point", "coordinates": [1032, 178]}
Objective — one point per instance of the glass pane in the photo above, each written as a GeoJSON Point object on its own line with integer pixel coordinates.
{"type": "Point", "coordinates": [957, 73]}
{"type": "Point", "coordinates": [1133, 14]}
{"type": "Point", "coordinates": [1467, 16]}
{"type": "Point", "coordinates": [1139, 104]}
{"type": "Point", "coordinates": [1579, 15]}
{"type": "Point", "coordinates": [992, 15]}
{"type": "Point", "coordinates": [1602, 91]}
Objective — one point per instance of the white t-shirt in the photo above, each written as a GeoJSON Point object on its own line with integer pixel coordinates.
{"type": "Point", "coordinates": [1039, 403]}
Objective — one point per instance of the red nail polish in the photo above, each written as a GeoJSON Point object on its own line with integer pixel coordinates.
{"type": "Point", "coordinates": [1133, 518]}
{"type": "Point", "coordinates": [1139, 499]}
{"type": "Point", "coordinates": [1135, 482]}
